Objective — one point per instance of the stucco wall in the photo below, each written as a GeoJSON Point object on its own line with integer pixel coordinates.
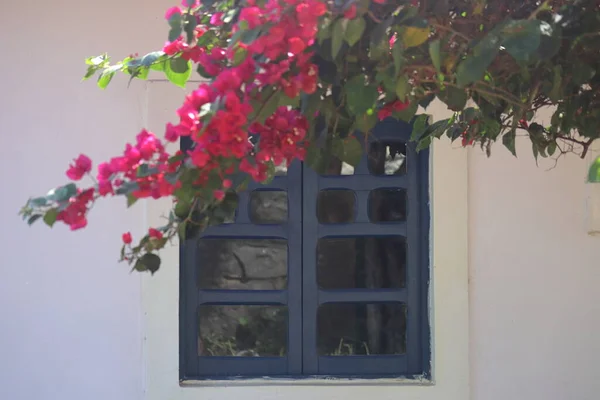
{"type": "Point", "coordinates": [71, 315]}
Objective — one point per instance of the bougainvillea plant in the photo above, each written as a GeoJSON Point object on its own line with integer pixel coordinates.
{"type": "Point", "coordinates": [294, 79]}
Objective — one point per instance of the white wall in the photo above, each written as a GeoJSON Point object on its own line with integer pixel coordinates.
{"type": "Point", "coordinates": [71, 315]}
{"type": "Point", "coordinates": [534, 280]}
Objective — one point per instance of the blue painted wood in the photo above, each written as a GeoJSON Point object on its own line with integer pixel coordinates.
{"type": "Point", "coordinates": [219, 367]}
{"type": "Point", "coordinates": [242, 297]}
{"type": "Point", "coordinates": [188, 336]}
{"type": "Point", "coordinates": [310, 300]}
{"type": "Point", "coordinates": [363, 296]}
{"type": "Point", "coordinates": [294, 286]}
{"type": "Point", "coordinates": [425, 223]}
{"type": "Point", "coordinates": [361, 229]}
{"type": "Point", "coordinates": [251, 231]}
{"type": "Point", "coordinates": [363, 365]}
{"type": "Point", "coordinates": [413, 266]}
{"type": "Point", "coordinates": [362, 182]}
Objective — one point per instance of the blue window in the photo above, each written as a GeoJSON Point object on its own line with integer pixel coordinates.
{"type": "Point", "coordinates": [317, 274]}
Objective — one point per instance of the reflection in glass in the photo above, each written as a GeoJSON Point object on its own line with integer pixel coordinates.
{"type": "Point", "coordinates": [372, 262]}
{"type": "Point", "coordinates": [336, 206]}
{"type": "Point", "coordinates": [281, 170]}
{"type": "Point", "coordinates": [387, 158]}
{"type": "Point", "coordinates": [268, 207]}
{"type": "Point", "coordinates": [242, 264]}
{"type": "Point", "coordinates": [242, 331]}
{"type": "Point", "coordinates": [347, 329]}
{"type": "Point", "coordinates": [387, 205]}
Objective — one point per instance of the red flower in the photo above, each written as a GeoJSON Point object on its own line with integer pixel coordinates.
{"type": "Point", "coordinates": [219, 194]}
{"type": "Point", "coordinates": [155, 234]}
{"type": "Point", "coordinates": [171, 12]}
{"type": "Point", "coordinates": [127, 238]}
{"type": "Point", "coordinates": [350, 13]}
{"type": "Point", "coordinates": [80, 167]}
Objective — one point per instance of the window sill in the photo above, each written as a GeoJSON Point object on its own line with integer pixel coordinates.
{"type": "Point", "coordinates": [308, 381]}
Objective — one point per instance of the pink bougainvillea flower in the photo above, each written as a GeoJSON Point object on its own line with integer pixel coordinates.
{"type": "Point", "coordinates": [81, 166]}
{"type": "Point", "coordinates": [172, 12]}
{"type": "Point", "coordinates": [127, 239]}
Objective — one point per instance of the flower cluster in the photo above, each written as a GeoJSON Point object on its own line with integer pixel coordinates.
{"type": "Point", "coordinates": [219, 116]}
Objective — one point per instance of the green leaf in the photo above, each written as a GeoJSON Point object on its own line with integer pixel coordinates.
{"type": "Point", "coordinates": [366, 122]}
{"type": "Point", "coordinates": [551, 40]}
{"type": "Point", "coordinates": [360, 97]}
{"type": "Point", "coordinates": [413, 36]}
{"type": "Point", "coordinates": [551, 149]}
{"type": "Point", "coordinates": [397, 55]}
{"type": "Point", "coordinates": [239, 56]}
{"type": "Point", "coordinates": [434, 53]}
{"type": "Point", "coordinates": [62, 193]}
{"type": "Point", "coordinates": [38, 202]}
{"type": "Point", "coordinates": [438, 128]}
{"type": "Point", "coordinates": [179, 65]}
{"type": "Point", "coordinates": [33, 218]}
{"type": "Point", "coordinates": [419, 127]}
{"type": "Point", "coordinates": [150, 262]}
{"type": "Point", "coordinates": [454, 98]}
{"type": "Point", "coordinates": [182, 230]}
{"type": "Point", "coordinates": [267, 108]}
{"type": "Point", "coordinates": [131, 200]}
{"type": "Point", "coordinates": [105, 78]}
{"type": "Point", "coordinates": [178, 71]}
{"type": "Point", "coordinates": [521, 39]}
{"type": "Point", "coordinates": [174, 33]}
{"type": "Point", "coordinates": [402, 87]}
{"type": "Point", "coordinates": [151, 58]}
{"type": "Point", "coordinates": [594, 172]}
{"type": "Point", "coordinates": [352, 151]}
{"type": "Point", "coordinates": [50, 217]}
{"type": "Point", "coordinates": [424, 143]}
{"type": "Point", "coordinates": [354, 30]}
{"type": "Point", "coordinates": [556, 92]}
{"type": "Point", "coordinates": [408, 113]}
{"type": "Point", "coordinates": [314, 158]}
{"type": "Point", "coordinates": [582, 73]}
{"type": "Point", "coordinates": [508, 140]}
{"type": "Point", "coordinates": [337, 36]}
{"type": "Point", "coordinates": [474, 66]}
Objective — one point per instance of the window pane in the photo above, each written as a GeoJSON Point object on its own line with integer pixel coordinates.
{"type": "Point", "coordinates": [387, 158]}
{"type": "Point", "coordinates": [372, 262]}
{"type": "Point", "coordinates": [281, 170]}
{"type": "Point", "coordinates": [387, 205]}
{"type": "Point", "coordinates": [338, 167]}
{"type": "Point", "coordinates": [242, 331]}
{"type": "Point", "coordinates": [268, 207]}
{"type": "Point", "coordinates": [336, 206]}
{"type": "Point", "coordinates": [346, 329]}
{"type": "Point", "coordinates": [243, 264]}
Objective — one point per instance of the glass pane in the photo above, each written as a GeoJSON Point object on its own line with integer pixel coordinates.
{"type": "Point", "coordinates": [242, 331]}
{"type": "Point", "coordinates": [338, 167]}
{"type": "Point", "coordinates": [387, 205]}
{"type": "Point", "coordinates": [243, 264]}
{"type": "Point", "coordinates": [281, 170]}
{"type": "Point", "coordinates": [387, 158]}
{"type": "Point", "coordinates": [268, 207]}
{"type": "Point", "coordinates": [347, 329]}
{"type": "Point", "coordinates": [336, 206]}
{"type": "Point", "coordinates": [371, 262]}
